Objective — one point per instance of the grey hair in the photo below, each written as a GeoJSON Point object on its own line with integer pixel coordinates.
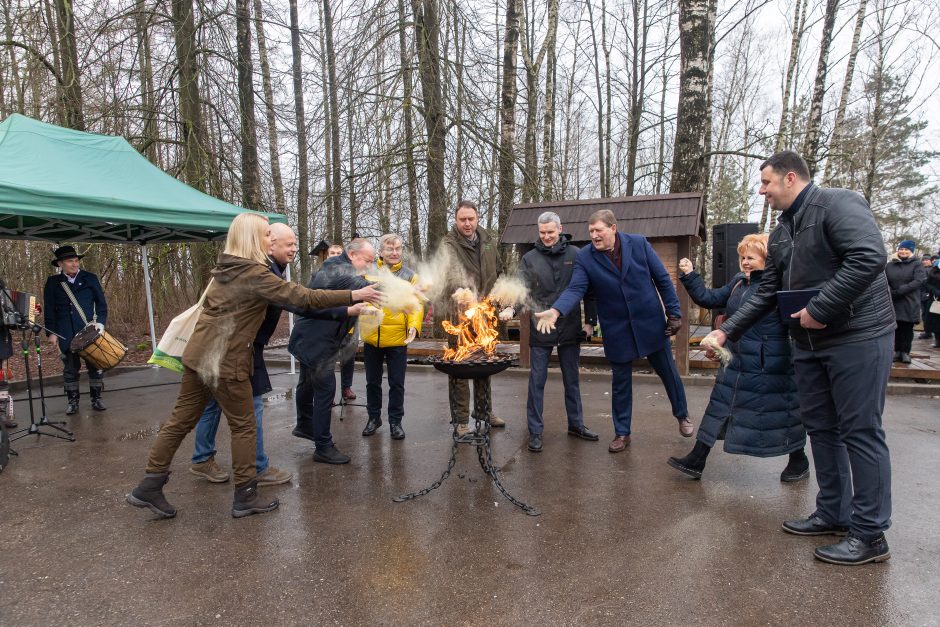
{"type": "Point", "coordinates": [390, 238]}
{"type": "Point", "coordinates": [356, 244]}
{"type": "Point", "coordinates": [550, 216]}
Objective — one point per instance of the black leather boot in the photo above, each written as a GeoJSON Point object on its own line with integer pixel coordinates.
{"type": "Point", "coordinates": [149, 493]}
{"type": "Point", "coordinates": [797, 468]}
{"type": "Point", "coordinates": [372, 426]}
{"type": "Point", "coordinates": [73, 397]}
{"type": "Point", "coordinates": [694, 463]}
{"type": "Point", "coordinates": [96, 403]}
{"type": "Point", "coordinates": [248, 501]}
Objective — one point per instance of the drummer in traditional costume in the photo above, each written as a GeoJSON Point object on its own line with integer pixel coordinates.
{"type": "Point", "coordinates": [73, 299]}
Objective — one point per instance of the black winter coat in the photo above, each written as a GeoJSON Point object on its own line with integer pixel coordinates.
{"type": "Point", "coordinates": [829, 242]}
{"type": "Point", "coordinates": [260, 381]}
{"type": "Point", "coordinates": [547, 272]}
{"type": "Point", "coordinates": [905, 280]}
{"type": "Point", "coordinates": [754, 399]}
{"type": "Point", "coordinates": [318, 336]}
{"type": "Point", "coordinates": [60, 314]}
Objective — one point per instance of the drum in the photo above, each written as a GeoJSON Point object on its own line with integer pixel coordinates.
{"type": "Point", "coordinates": [99, 347]}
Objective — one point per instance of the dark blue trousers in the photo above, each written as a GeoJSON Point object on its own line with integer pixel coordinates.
{"type": "Point", "coordinates": [396, 357]}
{"type": "Point", "coordinates": [842, 396]}
{"type": "Point", "coordinates": [314, 400]}
{"type": "Point", "coordinates": [569, 357]}
{"type": "Point", "coordinates": [622, 392]}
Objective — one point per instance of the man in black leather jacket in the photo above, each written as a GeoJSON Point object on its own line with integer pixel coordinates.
{"type": "Point", "coordinates": [827, 239]}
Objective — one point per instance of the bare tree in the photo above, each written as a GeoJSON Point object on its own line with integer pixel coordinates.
{"type": "Point", "coordinates": [300, 118]}
{"type": "Point", "coordinates": [251, 184]}
{"type": "Point", "coordinates": [273, 149]}
{"type": "Point", "coordinates": [507, 139]}
{"type": "Point", "coordinates": [813, 127]}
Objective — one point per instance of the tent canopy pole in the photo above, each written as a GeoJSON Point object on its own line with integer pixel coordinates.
{"type": "Point", "coordinates": [145, 261]}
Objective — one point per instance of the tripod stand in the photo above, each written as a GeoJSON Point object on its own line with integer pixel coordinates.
{"type": "Point", "coordinates": [34, 427]}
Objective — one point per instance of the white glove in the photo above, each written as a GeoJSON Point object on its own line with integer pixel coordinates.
{"type": "Point", "coordinates": [100, 327]}
{"type": "Point", "coordinates": [412, 334]}
{"type": "Point", "coordinates": [507, 314]}
{"type": "Point", "coordinates": [546, 320]}
{"type": "Point", "coordinates": [685, 266]}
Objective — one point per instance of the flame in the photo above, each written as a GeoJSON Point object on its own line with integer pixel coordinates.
{"type": "Point", "coordinates": [476, 332]}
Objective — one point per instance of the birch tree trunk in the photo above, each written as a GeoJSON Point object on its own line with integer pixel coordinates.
{"type": "Point", "coordinates": [427, 33]}
{"type": "Point", "coordinates": [507, 182]}
{"type": "Point", "coordinates": [149, 146]}
{"type": "Point", "coordinates": [251, 183]}
{"type": "Point", "coordinates": [303, 173]}
{"type": "Point", "coordinates": [271, 119]}
{"type": "Point", "coordinates": [695, 37]}
{"type": "Point", "coordinates": [835, 143]}
{"type": "Point", "coordinates": [813, 127]}
{"type": "Point", "coordinates": [72, 90]}
{"type": "Point", "coordinates": [601, 161]}
{"type": "Point", "coordinates": [414, 226]}
{"type": "Point", "coordinates": [533, 67]}
{"type": "Point", "coordinates": [335, 196]}
{"type": "Point", "coordinates": [192, 129]}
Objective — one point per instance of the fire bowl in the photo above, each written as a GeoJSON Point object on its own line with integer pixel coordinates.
{"type": "Point", "coordinates": [476, 368]}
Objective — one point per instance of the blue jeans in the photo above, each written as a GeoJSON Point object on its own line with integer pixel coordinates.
{"type": "Point", "coordinates": [569, 357]}
{"type": "Point", "coordinates": [622, 393]}
{"type": "Point", "coordinates": [208, 425]}
{"type": "Point", "coordinates": [397, 359]}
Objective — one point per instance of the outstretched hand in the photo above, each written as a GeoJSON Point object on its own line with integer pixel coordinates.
{"type": "Point", "coordinates": [546, 320]}
{"type": "Point", "coordinates": [507, 313]}
{"type": "Point", "coordinates": [368, 294]}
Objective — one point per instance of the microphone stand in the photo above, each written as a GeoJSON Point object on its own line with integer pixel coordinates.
{"type": "Point", "coordinates": [34, 427]}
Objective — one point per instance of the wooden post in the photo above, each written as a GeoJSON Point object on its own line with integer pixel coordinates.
{"type": "Point", "coordinates": [524, 355]}
{"type": "Point", "coordinates": [682, 337]}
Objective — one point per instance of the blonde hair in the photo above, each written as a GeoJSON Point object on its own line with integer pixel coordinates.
{"type": "Point", "coordinates": [246, 235]}
{"type": "Point", "coordinates": [756, 243]}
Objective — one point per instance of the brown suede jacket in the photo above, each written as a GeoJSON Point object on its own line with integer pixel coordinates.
{"type": "Point", "coordinates": [235, 305]}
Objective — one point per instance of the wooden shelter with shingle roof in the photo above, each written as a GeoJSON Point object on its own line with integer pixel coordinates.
{"type": "Point", "coordinates": [671, 222]}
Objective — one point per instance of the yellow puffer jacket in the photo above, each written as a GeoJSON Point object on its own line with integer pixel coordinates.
{"type": "Point", "coordinates": [393, 331]}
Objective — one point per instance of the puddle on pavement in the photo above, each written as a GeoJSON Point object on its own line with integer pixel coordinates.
{"type": "Point", "coordinates": [138, 435]}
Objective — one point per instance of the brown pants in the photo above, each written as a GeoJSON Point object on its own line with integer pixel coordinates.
{"type": "Point", "coordinates": [459, 390]}
{"type": "Point", "coordinates": [234, 397]}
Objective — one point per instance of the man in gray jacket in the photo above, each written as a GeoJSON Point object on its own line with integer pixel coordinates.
{"type": "Point", "coordinates": [827, 241]}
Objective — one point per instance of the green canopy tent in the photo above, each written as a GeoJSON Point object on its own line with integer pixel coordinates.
{"type": "Point", "coordinates": [62, 185]}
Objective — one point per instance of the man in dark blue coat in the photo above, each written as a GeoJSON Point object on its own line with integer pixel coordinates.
{"type": "Point", "coordinates": [631, 286]}
{"type": "Point", "coordinates": [283, 251]}
{"type": "Point", "coordinates": [315, 342]}
{"type": "Point", "coordinates": [546, 271]}
{"type": "Point", "coordinates": [64, 319]}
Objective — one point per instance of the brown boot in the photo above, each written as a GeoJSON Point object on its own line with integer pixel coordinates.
{"type": "Point", "coordinates": [149, 493]}
{"type": "Point", "coordinates": [248, 501]}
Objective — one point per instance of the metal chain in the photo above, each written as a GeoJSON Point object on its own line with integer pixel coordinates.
{"type": "Point", "coordinates": [490, 468]}
{"type": "Point", "coordinates": [450, 466]}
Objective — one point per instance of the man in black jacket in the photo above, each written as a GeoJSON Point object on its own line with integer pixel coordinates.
{"type": "Point", "coordinates": [64, 318]}
{"type": "Point", "coordinates": [315, 342]}
{"type": "Point", "coordinates": [546, 271]}
{"type": "Point", "coordinates": [283, 251]}
{"type": "Point", "coordinates": [827, 240]}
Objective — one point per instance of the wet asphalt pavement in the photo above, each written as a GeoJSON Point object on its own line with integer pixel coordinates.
{"type": "Point", "coordinates": [622, 539]}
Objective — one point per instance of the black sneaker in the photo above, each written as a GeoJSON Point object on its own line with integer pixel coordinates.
{"type": "Point", "coordinates": [853, 551]}
{"type": "Point", "coordinates": [331, 455]}
{"type": "Point", "coordinates": [535, 442]}
{"type": "Point", "coordinates": [813, 525]}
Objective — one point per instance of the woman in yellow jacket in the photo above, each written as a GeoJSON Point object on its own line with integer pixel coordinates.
{"type": "Point", "coordinates": [388, 343]}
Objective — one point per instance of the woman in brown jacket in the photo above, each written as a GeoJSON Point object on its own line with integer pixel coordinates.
{"type": "Point", "coordinates": [218, 361]}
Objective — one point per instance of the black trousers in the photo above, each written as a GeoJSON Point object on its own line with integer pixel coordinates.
{"type": "Point", "coordinates": [396, 358]}
{"type": "Point", "coordinates": [842, 397]}
{"type": "Point", "coordinates": [72, 363]}
{"type": "Point", "coordinates": [903, 337]}
{"type": "Point", "coordinates": [314, 401]}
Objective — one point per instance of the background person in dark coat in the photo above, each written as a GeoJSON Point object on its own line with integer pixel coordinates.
{"type": "Point", "coordinates": [754, 400]}
{"type": "Point", "coordinates": [926, 263]}
{"type": "Point", "coordinates": [828, 240]}
{"type": "Point", "coordinates": [628, 281]}
{"type": "Point", "coordinates": [315, 342]}
{"type": "Point", "coordinates": [283, 251]}
{"type": "Point", "coordinates": [932, 324]}
{"type": "Point", "coordinates": [62, 318]}
{"type": "Point", "coordinates": [906, 277]}
{"type": "Point", "coordinates": [546, 271]}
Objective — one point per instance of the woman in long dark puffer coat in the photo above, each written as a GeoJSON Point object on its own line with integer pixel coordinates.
{"type": "Point", "coordinates": [905, 278]}
{"type": "Point", "coordinates": [754, 402]}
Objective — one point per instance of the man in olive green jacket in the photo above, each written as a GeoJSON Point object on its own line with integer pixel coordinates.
{"type": "Point", "coordinates": [474, 264]}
